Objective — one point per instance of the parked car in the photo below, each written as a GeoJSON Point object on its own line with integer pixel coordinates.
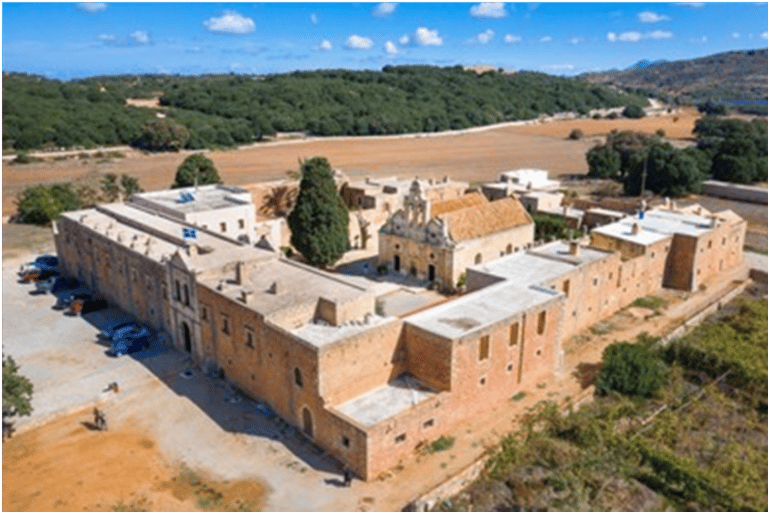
{"type": "Point", "coordinates": [87, 304]}
{"type": "Point", "coordinates": [33, 275]}
{"type": "Point", "coordinates": [110, 331]}
{"type": "Point", "coordinates": [130, 339]}
{"type": "Point", "coordinates": [45, 263]}
{"type": "Point", "coordinates": [55, 284]}
{"type": "Point", "coordinates": [65, 299]}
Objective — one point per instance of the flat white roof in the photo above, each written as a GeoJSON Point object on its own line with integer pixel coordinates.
{"type": "Point", "coordinates": [657, 225]}
{"type": "Point", "coordinates": [386, 401]}
{"type": "Point", "coordinates": [320, 334]}
{"type": "Point", "coordinates": [203, 199]}
{"type": "Point", "coordinates": [480, 309]}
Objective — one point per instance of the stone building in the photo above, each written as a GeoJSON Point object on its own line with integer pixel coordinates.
{"type": "Point", "coordinates": [438, 240]}
{"type": "Point", "coordinates": [370, 389]}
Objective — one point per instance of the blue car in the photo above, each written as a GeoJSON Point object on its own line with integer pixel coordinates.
{"type": "Point", "coordinates": [130, 340]}
{"type": "Point", "coordinates": [45, 264]}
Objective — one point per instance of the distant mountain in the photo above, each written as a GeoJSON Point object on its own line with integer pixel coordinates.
{"type": "Point", "coordinates": [724, 76]}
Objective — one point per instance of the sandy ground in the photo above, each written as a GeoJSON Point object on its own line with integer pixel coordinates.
{"type": "Point", "coordinates": [474, 155]}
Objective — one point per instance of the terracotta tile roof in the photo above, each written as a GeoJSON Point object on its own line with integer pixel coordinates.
{"type": "Point", "coordinates": [485, 218]}
{"type": "Point", "coordinates": [457, 203]}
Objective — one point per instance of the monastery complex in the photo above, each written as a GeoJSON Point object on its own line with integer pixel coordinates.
{"type": "Point", "coordinates": [197, 266]}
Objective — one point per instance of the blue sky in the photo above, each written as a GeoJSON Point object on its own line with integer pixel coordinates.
{"type": "Point", "coordinates": [68, 40]}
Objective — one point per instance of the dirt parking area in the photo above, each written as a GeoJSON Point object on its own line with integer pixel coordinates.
{"type": "Point", "coordinates": [473, 155]}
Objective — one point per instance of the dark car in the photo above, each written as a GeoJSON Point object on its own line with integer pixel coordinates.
{"type": "Point", "coordinates": [130, 340]}
{"type": "Point", "coordinates": [55, 284]}
{"type": "Point", "coordinates": [45, 263]}
{"type": "Point", "coordinates": [34, 275]}
{"type": "Point", "coordinates": [65, 300]}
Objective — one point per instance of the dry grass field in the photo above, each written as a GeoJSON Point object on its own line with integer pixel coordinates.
{"type": "Point", "coordinates": [470, 156]}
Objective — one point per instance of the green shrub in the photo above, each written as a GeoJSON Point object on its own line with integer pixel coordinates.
{"type": "Point", "coordinates": [633, 112]}
{"type": "Point", "coordinates": [42, 204]}
{"type": "Point", "coordinates": [440, 444]}
{"type": "Point", "coordinates": [631, 370]}
{"type": "Point", "coordinates": [650, 302]}
{"type": "Point", "coordinates": [382, 269]}
{"type": "Point", "coordinates": [576, 134]}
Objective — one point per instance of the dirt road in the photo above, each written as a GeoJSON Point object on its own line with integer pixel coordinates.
{"type": "Point", "coordinates": [471, 156]}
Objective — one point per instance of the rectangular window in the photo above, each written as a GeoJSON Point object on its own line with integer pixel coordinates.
{"type": "Point", "coordinates": [178, 291]}
{"type": "Point", "coordinates": [483, 347]}
{"type": "Point", "coordinates": [542, 322]}
{"type": "Point", "coordinates": [241, 223]}
{"type": "Point", "coordinates": [223, 226]}
{"type": "Point", "coordinates": [566, 286]}
{"type": "Point", "coordinates": [400, 438]}
{"type": "Point", "coordinates": [225, 324]}
{"type": "Point", "coordinates": [429, 423]}
{"type": "Point", "coordinates": [345, 441]}
{"type": "Point", "coordinates": [204, 313]}
{"type": "Point", "coordinates": [514, 333]}
{"type": "Point", "coordinates": [250, 338]}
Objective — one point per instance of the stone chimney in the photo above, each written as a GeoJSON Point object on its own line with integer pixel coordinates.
{"type": "Point", "coordinates": [192, 250]}
{"type": "Point", "coordinates": [574, 249]}
{"type": "Point", "coordinates": [242, 273]}
{"type": "Point", "coordinates": [635, 228]}
{"type": "Point", "coordinates": [246, 296]}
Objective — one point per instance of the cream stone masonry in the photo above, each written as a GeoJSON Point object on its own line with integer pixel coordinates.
{"type": "Point", "coordinates": [370, 389]}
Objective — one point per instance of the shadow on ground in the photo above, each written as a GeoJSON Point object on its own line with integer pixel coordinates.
{"type": "Point", "coordinates": [231, 409]}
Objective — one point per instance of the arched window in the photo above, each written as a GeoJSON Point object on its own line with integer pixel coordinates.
{"type": "Point", "coordinates": [186, 295]}
{"type": "Point", "coordinates": [297, 377]}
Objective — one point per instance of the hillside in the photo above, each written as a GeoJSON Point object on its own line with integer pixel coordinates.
{"type": "Point", "coordinates": [723, 76]}
{"type": "Point", "coordinates": [227, 110]}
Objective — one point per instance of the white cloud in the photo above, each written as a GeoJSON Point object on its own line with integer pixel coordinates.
{"type": "Point", "coordinates": [91, 6]}
{"type": "Point", "coordinates": [355, 42]}
{"type": "Point", "coordinates": [558, 67]}
{"type": "Point", "coordinates": [634, 37]}
{"type": "Point", "coordinates": [404, 40]}
{"type": "Point", "coordinates": [385, 9]}
{"type": "Point", "coordinates": [485, 36]}
{"type": "Point", "coordinates": [692, 5]}
{"type": "Point", "coordinates": [108, 39]}
{"type": "Point", "coordinates": [512, 38]}
{"type": "Point", "coordinates": [764, 35]}
{"type": "Point", "coordinates": [426, 37]}
{"type": "Point", "coordinates": [140, 37]}
{"type": "Point", "coordinates": [488, 10]}
{"type": "Point", "coordinates": [326, 46]}
{"type": "Point", "coordinates": [652, 17]}
{"type": "Point", "coordinates": [659, 34]}
{"type": "Point", "coordinates": [698, 40]}
{"type": "Point", "coordinates": [576, 40]}
{"type": "Point", "coordinates": [313, 18]}
{"type": "Point", "coordinates": [546, 39]}
{"type": "Point", "coordinates": [230, 22]}
{"type": "Point", "coordinates": [390, 48]}
{"type": "Point", "coordinates": [735, 35]}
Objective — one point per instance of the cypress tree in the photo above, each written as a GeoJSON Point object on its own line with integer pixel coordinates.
{"type": "Point", "coordinates": [319, 222]}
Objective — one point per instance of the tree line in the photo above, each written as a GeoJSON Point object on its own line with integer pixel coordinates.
{"type": "Point", "coordinates": [226, 110]}
{"type": "Point", "coordinates": [726, 149]}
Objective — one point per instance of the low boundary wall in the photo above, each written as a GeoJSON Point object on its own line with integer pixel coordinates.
{"type": "Point", "coordinates": [735, 191]}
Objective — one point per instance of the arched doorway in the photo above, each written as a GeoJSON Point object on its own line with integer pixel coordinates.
{"type": "Point", "coordinates": [431, 272]}
{"type": "Point", "coordinates": [306, 418]}
{"type": "Point", "coordinates": [187, 336]}
{"type": "Point", "coordinates": [397, 263]}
